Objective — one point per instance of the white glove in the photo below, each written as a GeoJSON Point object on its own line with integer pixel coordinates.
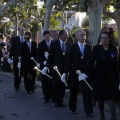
{"type": "Point", "coordinates": [63, 77]}
{"type": "Point", "coordinates": [1, 58]}
{"type": "Point", "coordinates": [19, 65]}
{"type": "Point", "coordinates": [38, 65]}
{"type": "Point", "coordinates": [10, 61]}
{"type": "Point", "coordinates": [44, 70]}
{"type": "Point", "coordinates": [78, 72]}
{"type": "Point", "coordinates": [46, 55]}
{"type": "Point", "coordinates": [81, 78]}
{"type": "Point", "coordinates": [44, 62]}
{"type": "Point", "coordinates": [81, 74]}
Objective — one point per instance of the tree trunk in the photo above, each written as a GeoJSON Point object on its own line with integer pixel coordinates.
{"type": "Point", "coordinates": [16, 25]}
{"type": "Point", "coordinates": [39, 33]}
{"type": "Point", "coordinates": [49, 6]}
{"type": "Point", "coordinates": [63, 19]}
{"type": "Point", "coordinates": [47, 18]}
{"type": "Point", "coordinates": [95, 17]}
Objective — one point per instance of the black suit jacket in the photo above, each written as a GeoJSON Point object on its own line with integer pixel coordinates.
{"type": "Point", "coordinates": [56, 56]}
{"type": "Point", "coordinates": [74, 59]}
{"type": "Point", "coordinates": [26, 55]}
{"type": "Point", "coordinates": [42, 48]}
{"type": "Point", "coordinates": [15, 49]}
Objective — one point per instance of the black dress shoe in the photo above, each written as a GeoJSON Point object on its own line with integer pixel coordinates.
{"type": "Point", "coordinates": [55, 105]}
{"type": "Point", "coordinates": [35, 87]}
{"type": "Point", "coordinates": [28, 93]}
{"type": "Point", "coordinates": [16, 89]}
{"type": "Point", "coordinates": [32, 90]}
{"type": "Point", "coordinates": [73, 112]}
{"type": "Point", "coordinates": [45, 101]}
{"type": "Point", "coordinates": [112, 118]}
{"type": "Point", "coordinates": [90, 115]}
{"type": "Point", "coordinates": [61, 105]}
{"type": "Point", "coordinates": [102, 117]}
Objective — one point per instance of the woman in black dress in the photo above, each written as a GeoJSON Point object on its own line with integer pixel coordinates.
{"type": "Point", "coordinates": [104, 61]}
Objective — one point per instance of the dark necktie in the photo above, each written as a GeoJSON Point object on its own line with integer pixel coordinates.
{"type": "Point", "coordinates": [21, 39]}
{"type": "Point", "coordinates": [48, 45]}
{"type": "Point", "coordinates": [63, 47]}
{"type": "Point", "coordinates": [82, 48]}
{"type": "Point", "coordinates": [28, 43]}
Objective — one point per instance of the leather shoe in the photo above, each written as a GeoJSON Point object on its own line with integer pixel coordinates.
{"type": "Point", "coordinates": [28, 93]}
{"type": "Point", "coordinates": [73, 112]}
{"type": "Point", "coordinates": [32, 90]}
{"type": "Point", "coordinates": [61, 105]}
{"type": "Point", "coordinates": [112, 118]}
{"type": "Point", "coordinates": [16, 89]}
{"type": "Point", "coordinates": [90, 115]}
{"type": "Point", "coordinates": [55, 105]}
{"type": "Point", "coordinates": [45, 101]}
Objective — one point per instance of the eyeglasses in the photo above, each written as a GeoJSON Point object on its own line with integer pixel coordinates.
{"type": "Point", "coordinates": [82, 34]}
{"type": "Point", "coordinates": [26, 38]}
{"type": "Point", "coordinates": [104, 38]}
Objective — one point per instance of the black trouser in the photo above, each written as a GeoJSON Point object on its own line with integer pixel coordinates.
{"type": "Point", "coordinates": [29, 79]}
{"type": "Point", "coordinates": [87, 98]}
{"type": "Point", "coordinates": [58, 88]}
{"type": "Point", "coordinates": [17, 78]}
{"type": "Point", "coordinates": [46, 86]}
{"type": "Point", "coordinates": [33, 78]}
{"type": "Point", "coordinates": [86, 93]}
{"type": "Point", "coordinates": [74, 86]}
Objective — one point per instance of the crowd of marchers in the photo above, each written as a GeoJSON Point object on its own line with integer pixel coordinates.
{"type": "Point", "coordinates": [62, 63]}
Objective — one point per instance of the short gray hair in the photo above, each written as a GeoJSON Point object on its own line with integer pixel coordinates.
{"type": "Point", "coordinates": [78, 31]}
{"type": "Point", "coordinates": [53, 32]}
{"type": "Point", "coordinates": [67, 29]}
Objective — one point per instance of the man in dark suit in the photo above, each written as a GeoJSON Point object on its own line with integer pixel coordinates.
{"type": "Point", "coordinates": [28, 50]}
{"type": "Point", "coordinates": [15, 53]}
{"type": "Point", "coordinates": [55, 34]}
{"type": "Point", "coordinates": [70, 38]}
{"type": "Point", "coordinates": [77, 59]}
{"type": "Point", "coordinates": [43, 53]}
{"type": "Point", "coordinates": [57, 57]}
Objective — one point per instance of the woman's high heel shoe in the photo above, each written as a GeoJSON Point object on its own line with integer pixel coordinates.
{"type": "Point", "coordinates": [112, 118]}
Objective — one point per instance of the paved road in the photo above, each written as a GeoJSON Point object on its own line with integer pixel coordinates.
{"type": "Point", "coordinates": [18, 106]}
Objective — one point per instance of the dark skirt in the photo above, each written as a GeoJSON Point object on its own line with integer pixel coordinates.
{"type": "Point", "coordinates": [108, 92]}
